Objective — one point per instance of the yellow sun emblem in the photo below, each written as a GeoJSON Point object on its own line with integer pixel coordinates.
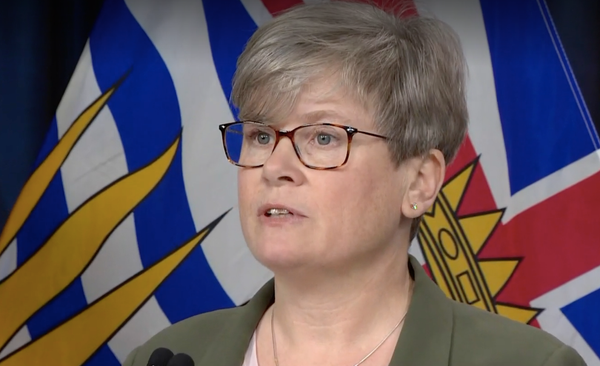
{"type": "Point", "coordinates": [71, 248]}
{"type": "Point", "coordinates": [451, 244]}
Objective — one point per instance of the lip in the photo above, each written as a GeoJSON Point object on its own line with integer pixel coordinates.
{"type": "Point", "coordinates": [263, 208]}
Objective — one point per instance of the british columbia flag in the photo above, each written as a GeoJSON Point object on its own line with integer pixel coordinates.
{"type": "Point", "coordinates": [128, 223]}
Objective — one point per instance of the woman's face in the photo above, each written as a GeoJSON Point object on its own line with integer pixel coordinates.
{"type": "Point", "coordinates": [337, 218]}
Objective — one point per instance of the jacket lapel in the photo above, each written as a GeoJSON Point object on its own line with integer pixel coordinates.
{"type": "Point", "coordinates": [231, 342]}
{"type": "Point", "coordinates": [427, 332]}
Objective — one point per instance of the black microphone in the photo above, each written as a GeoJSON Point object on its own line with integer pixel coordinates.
{"type": "Point", "coordinates": [181, 359]}
{"type": "Point", "coordinates": [160, 357]}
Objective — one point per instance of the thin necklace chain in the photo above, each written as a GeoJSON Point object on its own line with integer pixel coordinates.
{"type": "Point", "coordinates": [356, 364]}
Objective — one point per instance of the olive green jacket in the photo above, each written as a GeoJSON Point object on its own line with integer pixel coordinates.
{"type": "Point", "coordinates": [437, 332]}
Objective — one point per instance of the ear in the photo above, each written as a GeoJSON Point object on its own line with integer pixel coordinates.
{"type": "Point", "coordinates": [425, 184]}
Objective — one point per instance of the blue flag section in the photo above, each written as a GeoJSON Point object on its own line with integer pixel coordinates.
{"type": "Point", "coordinates": [128, 222]}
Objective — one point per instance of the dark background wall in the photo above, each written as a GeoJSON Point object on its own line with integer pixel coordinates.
{"type": "Point", "coordinates": [41, 40]}
{"type": "Point", "coordinates": [578, 24]}
{"type": "Point", "coordinates": [40, 44]}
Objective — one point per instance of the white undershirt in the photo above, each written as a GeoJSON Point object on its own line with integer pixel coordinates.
{"type": "Point", "coordinates": [250, 359]}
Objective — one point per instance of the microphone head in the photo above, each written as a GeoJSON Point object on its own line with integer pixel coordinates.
{"type": "Point", "coordinates": [181, 359]}
{"type": "Point", "coordinates": [160, 357]}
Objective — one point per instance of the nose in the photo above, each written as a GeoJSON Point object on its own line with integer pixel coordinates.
{"type": "Point", "coordinates": [283, 166]}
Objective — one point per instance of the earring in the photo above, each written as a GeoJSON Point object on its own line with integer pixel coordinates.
{"type": "Point", "coordinates": [414, 206]}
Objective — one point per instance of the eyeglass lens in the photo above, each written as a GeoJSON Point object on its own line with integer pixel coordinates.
{"type": "Point", "coordinates": [251, 144]}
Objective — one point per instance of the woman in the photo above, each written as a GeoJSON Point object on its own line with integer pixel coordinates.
{"type": "Point", "coordinates": [350, 116]}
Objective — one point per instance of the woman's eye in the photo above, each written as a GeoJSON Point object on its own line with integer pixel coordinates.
{"type": "Point", "coordinates": [324, 139]}
{"type": "Point", "coordinates": [263, 138]}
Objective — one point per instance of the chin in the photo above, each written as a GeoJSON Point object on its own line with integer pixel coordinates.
{"type": "Point", "coordinates": [278, 255]}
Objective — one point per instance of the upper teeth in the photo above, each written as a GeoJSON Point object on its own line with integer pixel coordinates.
{"type": "Point", "coordinates": [277, 211]}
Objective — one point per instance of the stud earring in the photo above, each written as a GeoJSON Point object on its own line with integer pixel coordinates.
{"type": "Point", "coordinates": [414, 206]}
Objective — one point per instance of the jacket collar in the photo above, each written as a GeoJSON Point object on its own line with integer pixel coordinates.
{"type": "Point", "coordinates": [427, 331]}
{"type": "Point", "coordinates": [425, 338]}
{"type": "Point", "coordinates": [230, 344]}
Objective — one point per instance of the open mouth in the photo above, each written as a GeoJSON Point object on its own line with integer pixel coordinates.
{"type": "Point", "coordinates": [278, 212]}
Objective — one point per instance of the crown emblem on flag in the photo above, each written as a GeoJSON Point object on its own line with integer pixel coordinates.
{"type": "Point", "coordinates": [451, 245]}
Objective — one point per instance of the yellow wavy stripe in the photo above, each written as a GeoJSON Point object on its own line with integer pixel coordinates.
{"type": "Point", "coordinates": [72, 343]}
{"type": "Point", "coordinates": [71, 248]}
{"type": "Point", "coordinates": [41, 177]}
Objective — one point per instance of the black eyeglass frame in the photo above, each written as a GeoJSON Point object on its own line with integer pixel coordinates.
{"type": "Point", "coordinates": [350, 131]}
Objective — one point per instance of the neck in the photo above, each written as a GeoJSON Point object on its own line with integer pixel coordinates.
{"type": "Point", "coordinates": [344, 308]}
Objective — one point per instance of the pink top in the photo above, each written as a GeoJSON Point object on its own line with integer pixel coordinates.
{"type": "Point", "coordinates": [250, 359]}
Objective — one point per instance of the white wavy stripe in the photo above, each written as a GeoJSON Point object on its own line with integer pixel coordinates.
{"type": "Point", "coordinates": [20, 338]}
{"type": "Point", "coordinates": [257, 11]}
{"type": "Point", "coordinates": [485, 130]}
{"type": "Point", "coordinates": [553, 320]}
{"type": "Point", "coordinates": [8, 260]}
{"type": "Point", "coordinates": [181, 38]}
{"type": "Point", "coordinates": [552, 184]}
{"type": "Point", "coordinates": [146, 322]}
{"type": "Point", "coordinates": [8, 263]}
{"type": "Point", "coordinates": [96, 161]}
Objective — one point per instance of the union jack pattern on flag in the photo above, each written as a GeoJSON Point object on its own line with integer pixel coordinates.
{"type": "Point", "coordinates": [129, 222]}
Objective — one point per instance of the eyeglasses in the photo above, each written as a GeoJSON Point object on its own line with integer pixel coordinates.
{"type": "Point", "coordinates": [318, 146]}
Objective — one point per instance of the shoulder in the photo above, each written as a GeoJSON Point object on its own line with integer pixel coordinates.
{"type": "Point", "coordinates": [221, 335]}
{"type": "Point", "coordinates": [192, 336]}
{"type": "Point", "coordinates": [485, 338]}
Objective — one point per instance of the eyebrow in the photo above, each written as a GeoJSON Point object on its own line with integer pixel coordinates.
{"type": "Point", "coordinates": [316, 116]}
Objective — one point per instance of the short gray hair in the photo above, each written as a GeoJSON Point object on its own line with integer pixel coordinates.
{"type": "Point", "coordinates": [409, 71]}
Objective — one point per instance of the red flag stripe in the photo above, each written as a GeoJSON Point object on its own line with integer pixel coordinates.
{"type": "Point", "coordinates": [409, 4]}
{"type": "Point", "coordinates": [553, 237]}
{"type": "Point", "coordinates": [277, 6]}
